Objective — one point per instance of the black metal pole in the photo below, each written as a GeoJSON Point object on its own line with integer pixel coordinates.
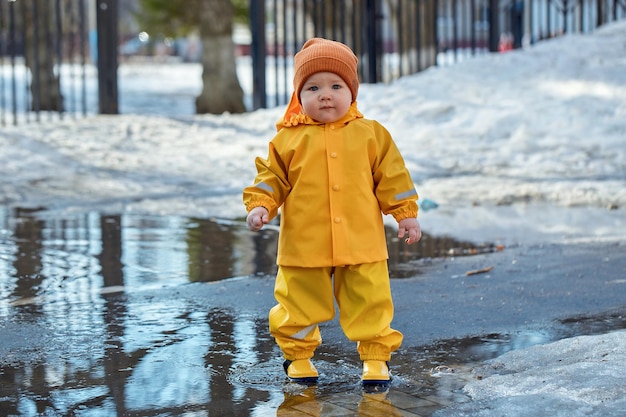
{"type": "Point", "coordinates": [372, 41]}
{"type": "Point", "coordinates": [436, 29]}
{"type": "Point", "coordinates": [494, 31]}
{"type": "Point", "coordinates": [106, 16]}
{"type": "Point", "coordinates": [257, 27]}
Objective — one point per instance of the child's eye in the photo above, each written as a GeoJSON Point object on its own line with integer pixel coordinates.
{"type": "Point", "coordinates": [313, 88]}
{"type": "Point", "coordinates": [336, 86]}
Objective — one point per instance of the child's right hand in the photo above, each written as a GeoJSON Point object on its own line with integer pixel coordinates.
{"type": "Point", "coordinates": [412, 227]}
{"type": "Point", "coordinates": [257, 217]}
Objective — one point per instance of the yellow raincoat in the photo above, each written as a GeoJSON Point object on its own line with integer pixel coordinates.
{"type": "Point", "coordinates": [332, 180]}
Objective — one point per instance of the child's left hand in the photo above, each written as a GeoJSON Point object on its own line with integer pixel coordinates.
{"type": "Point", "coordinates": [412, 227]}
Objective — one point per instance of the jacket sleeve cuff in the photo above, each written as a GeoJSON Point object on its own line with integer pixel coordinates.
{"type": "Point", "coordinates": [405, 215]}
{"type": "Point", "coordinates": [265, 203]}
{"type": "Point", "coordinates": [408, 211]}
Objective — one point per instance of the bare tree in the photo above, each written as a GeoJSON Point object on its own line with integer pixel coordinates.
{"type": "Point", "coordinates": [39, 26]}
{"type": "Point", "coordinates": [221, 89]}
{"type": "Point", "coordinates": [213, 19]}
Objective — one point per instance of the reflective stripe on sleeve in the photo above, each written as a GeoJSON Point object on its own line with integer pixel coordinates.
{"type": "Point", "coordinates": [406, 194]}
{"type": "Point", "coordinates": [265, 187]}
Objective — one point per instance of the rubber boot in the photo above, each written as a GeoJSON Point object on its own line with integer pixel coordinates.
{"type": "Point", "coordinates": [301, 371]}
{"type": "Point", "coordinates": [375, 373]}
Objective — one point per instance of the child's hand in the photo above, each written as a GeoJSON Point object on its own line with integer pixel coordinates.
{"type": "Point", "coordinates": [257, 217]}
{"type": "Point", "coordinates": [412, 227]}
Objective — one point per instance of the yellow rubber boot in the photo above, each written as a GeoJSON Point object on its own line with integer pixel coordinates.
{"type": "Point", "coordinates": [375, 373]}
{"type": "Point", "coordinates": [301, 370]}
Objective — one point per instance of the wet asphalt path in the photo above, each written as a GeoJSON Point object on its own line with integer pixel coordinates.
{"type": "Point", "coordinates": [529, 289]}
{"type": "Point", "coordinates": [201, 331]}
{"type": "Point", "coordinates": [536, 288]}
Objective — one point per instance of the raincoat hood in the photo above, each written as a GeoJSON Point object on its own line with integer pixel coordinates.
{"type": "Point", "coordinates": [294, 115]}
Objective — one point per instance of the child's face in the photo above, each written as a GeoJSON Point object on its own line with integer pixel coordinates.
{"type": "Point", "coordinates": [325, 97]}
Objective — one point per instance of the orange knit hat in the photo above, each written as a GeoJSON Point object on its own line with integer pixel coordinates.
{"type": "Point", "coordinates": [323, 55]}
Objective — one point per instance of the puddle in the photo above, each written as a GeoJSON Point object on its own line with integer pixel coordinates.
{"type": "Point", "coordinates": [79, 338]}
{"type": "Point", "coordinates": [40, 256]}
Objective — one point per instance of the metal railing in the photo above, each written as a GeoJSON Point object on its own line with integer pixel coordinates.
{"type": "Point", "coordinates": [393, 38]}
{"type": "Point", "coordinates": [390, 39]}
{"type": "Point", "coordinates": [43, 59]}
{"type": "Point", "coordinates": [49, 48]}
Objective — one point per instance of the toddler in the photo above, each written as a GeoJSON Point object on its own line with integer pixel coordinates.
{"type": "Point", "coordinates": [333, 173]}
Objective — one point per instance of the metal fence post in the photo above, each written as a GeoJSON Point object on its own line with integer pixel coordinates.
{"type": "Point", "coordinates": [599, 13]}
{"type": "Point", "coordinates": [494, 30]}
{"type": "Point", "coordinates": [257, 51]}
{"type": "Point", "coordinates": [106, 15]}
{"type": "Point", "coordinates": [373, 44]}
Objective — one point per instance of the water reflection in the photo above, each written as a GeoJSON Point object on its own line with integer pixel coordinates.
{"type": "Point", "coordinates": [111, 254]}
{"type": "Point", "coordinates": [218, 250]}
{"type": "Point", "coordinates": [306, 401]}
{"type": "Point", "coordinates": [79, 336]}
{"type": "Point", "coordinates": [27, 262]}
{"type": "Point", "coordinates": [101, 350]}
{"type": "Point", "coordinates": [40, 256]}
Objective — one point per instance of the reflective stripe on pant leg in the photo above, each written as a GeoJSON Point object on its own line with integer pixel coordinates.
{"type": "Point", "coordinates": [365, 305]}
{"type": "Point", "coordinates": [305, 298]}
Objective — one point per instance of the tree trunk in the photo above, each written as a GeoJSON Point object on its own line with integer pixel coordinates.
{"type": "Point", "coordinates": [221, 90]}
{"type": "Point", "coordinates": [39, 55]}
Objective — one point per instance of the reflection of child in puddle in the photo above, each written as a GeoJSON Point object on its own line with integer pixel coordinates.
{"type": "Point", "coordinates": [303, 401]}
{"type": "Point", "coordinates": [333, 173]}
{"type": "Point", "coordinates": [306, 402]}
{"type": "Point", "coordinates": [377, 404]}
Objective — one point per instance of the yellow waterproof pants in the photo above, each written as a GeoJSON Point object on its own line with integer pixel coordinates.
{"type": "Point", "coordinates": [306, 298]}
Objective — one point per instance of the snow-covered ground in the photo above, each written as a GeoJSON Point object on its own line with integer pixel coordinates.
{"type": "Point", "coordinates": [522, 147]}
{"type": "Point", "coordinates": [508, 140]}
{"type": "Point", "coordinates": [582, 376]}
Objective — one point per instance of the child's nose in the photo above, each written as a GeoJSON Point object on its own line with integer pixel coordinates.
{"type": "Point", "coordinates": [325, 95]}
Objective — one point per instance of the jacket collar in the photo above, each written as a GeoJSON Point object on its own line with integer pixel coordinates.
{"type": "Point", "coordinates": [294, 115]}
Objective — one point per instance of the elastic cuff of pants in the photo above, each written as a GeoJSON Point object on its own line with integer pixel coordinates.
{"type": "Point", "coordinates": [298, 356]}
{"type": "Point", "coordinates": [375, 357]}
